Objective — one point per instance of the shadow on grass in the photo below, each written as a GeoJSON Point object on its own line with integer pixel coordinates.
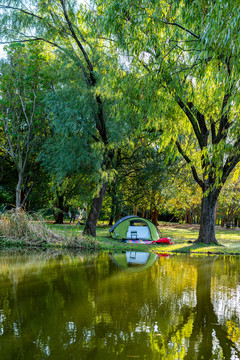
{"type": "Point", "coordinates": [185, 249]}
{"type": "Point", "coordinates": [195, 247]}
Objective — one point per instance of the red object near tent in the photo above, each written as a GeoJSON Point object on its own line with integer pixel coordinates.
{"type": "Point", "coordinates": [163, 241]}
{"type": "Point", "coordinates": [163, 255]}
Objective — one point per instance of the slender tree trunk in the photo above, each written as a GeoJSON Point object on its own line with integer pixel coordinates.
{"type": "Point", "coordinates": [114, 204]}
{"type": "Point", "coordinates": [207, 222]}
{"type": "Point", "coordinates": [19, 190]}
{"type": "Point", "coordinates": [198, 216]}
{"type": "Point", "coordinates": [90, 227]}
{"type": "Point", "coordinates": [223, 218]}
{"type": "Point", "coordinates": [230, 217]}
{"type": "Point", "coordinates": [111, 219]}
{"type": "Point", "coordinates": [190, 217]}
{"type": "Point", "coordinates": [113, 207]}
{"type": "Point", "coordinates": [236, 221]}
{"type": "Point", "coordinates": [155, 215]}
{"type": "Point", "coordinates": [59, 214]}
{"type": "Point", "coordinates": [194, 216]}
{"type": "Point", "coordinates": [25, 197]}
{"type": "Point", "coordinates": [59, 217]}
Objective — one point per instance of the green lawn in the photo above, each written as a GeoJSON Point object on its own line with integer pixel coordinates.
{"type": "Point", "coordinates": [182, 235]}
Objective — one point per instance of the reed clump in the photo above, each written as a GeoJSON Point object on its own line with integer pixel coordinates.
{"type": "Point", "coordinates": [20, 228]}
{"type": "Point", "coordinates": [82, 242]}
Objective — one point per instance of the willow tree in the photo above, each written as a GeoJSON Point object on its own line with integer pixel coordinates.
{"type": "Point", "coordinates": [145, 174]}
{"type": "Point", "coordinates": [22, 118]}
{"type": "Point", "coordinates": [66, 27]}
{"type": "Point", "coordinates": [186, 54]}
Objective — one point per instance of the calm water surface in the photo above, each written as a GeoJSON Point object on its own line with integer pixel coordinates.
{"type": "Point", "coordinates": [118, 306]}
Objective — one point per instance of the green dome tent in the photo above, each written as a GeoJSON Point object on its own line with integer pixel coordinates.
{"type": "Point", "coordinates": [134, 228]}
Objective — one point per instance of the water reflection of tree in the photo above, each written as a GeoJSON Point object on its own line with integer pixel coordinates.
{"type": "Point", "coordinates": [96, 311]}
{"type": "Point", "coordinates": [206, 325]}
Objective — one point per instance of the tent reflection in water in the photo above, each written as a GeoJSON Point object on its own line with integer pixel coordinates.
{"type": "Point", "coordinates": [134, 228]}
{"type": "Point", "coordinates": [134, 260]}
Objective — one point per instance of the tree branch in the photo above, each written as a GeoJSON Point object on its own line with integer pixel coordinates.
{"type": "Point", "coordinates": [2, 162]}
{"type": "Point", "coordinates": [181, 27]}
{"type": "Point", "coordinates": [224, 120]}
{"type": "Point", "coordinates": [231, 161]}
{"type": "Point", "coordinates": [21, 10]}
{"type": "Point", "coordinates": [213, 130]}
{"type": "Point", "coordinates": [201, 122]}
{"type": "Point", "coordinates": [192, 119]}
{"type": "Point", "coordinates": [27, 195]}
{"type": "Point", "coordinates": [187, 159]}
{"type": "Point", "coordinates": [89, 64]}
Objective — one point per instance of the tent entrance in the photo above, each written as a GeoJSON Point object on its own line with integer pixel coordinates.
{"type": "Point", "coordinates": [138, 230]}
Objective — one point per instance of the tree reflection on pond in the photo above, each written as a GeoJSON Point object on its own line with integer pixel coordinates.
{"type": "Point", "coordinates": [207, 332]}
{"type": "Point", "coordinates": [70, 306]}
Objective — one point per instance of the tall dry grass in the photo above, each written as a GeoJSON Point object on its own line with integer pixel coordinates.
{"type": "Point", "coordinates": [18, 227]}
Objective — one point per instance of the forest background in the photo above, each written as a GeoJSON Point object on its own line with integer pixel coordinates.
{"type": "Point", "coordinates": [121, 107]}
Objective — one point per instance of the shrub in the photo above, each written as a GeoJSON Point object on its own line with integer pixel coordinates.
{"type": "Point", "coordinates": [82, 242]}
{"type": "Point", "coordinates": [18, 227]}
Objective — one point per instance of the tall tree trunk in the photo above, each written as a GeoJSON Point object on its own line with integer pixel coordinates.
{"type": "Point", "coordinates": [91, 223]}
{"type": "Point", "coordinates": [207, 222]}
{"type": "Point", "coordinates": [90, 227]}
{"type": "Point", "coordinates": [19, 189]}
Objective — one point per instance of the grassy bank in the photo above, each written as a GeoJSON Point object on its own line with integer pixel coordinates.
{"type": "Point", "coordinates": [21, 230]}
{"type": "Point", "coordinates": [182, 235]}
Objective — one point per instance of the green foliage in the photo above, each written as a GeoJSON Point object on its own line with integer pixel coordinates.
{"type": "Point", "coordinates": [185, 50]}
{"type": "Point", "coordinates": [75, 191]}
{"type": "Point", "coordinates": [147, 173]}
{"type": "Point", "coordinates": [22, 117]}
{"type": "Point", "coordinates": [70, 148]}
{"type": "Point", "coordinates": [5, 196]}
{"type": "Point", "coordinates": [123, 72]}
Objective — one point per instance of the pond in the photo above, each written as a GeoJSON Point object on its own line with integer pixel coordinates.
{"type": "Point", "coordinates": [56, 305]}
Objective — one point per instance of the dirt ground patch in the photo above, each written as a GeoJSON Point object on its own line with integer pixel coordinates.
{"type": "Point", "coordinates": [192, 227]}
{"type": "Point", "coordinates": [179, 226]}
